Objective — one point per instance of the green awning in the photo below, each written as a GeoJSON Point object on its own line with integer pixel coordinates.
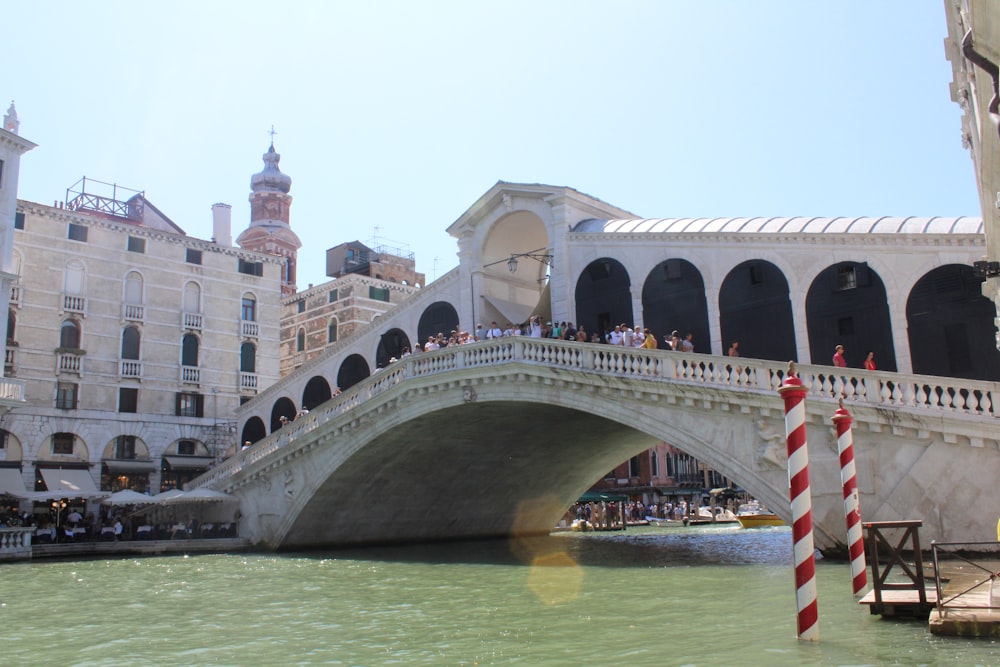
{"type": "Point", "coordinates": [598, 496]}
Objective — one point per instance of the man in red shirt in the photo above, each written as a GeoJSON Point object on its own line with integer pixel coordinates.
{"type": "Point", "coordinates": [838, 357]}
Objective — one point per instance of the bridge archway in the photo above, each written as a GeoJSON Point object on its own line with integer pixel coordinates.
{"type": "Point", "coordinates": [603, 296]}
{"type": "Point", "coordinates": [847, 305]}
{"type": "Point", "coordinates": [950, 325]}
{"type": "Point", "coordinates": [439, 317]}
{"type": "Point", "coordinates": [515, 257]}
{"type": "Point", "coordinates": [391, 345]}
{"type": "Point", "coordinates": [317, 391]}
{"type": "Point", "coordinates": [353, 370]}
{"type": "Point", "coordinates": [253, 430]}
{"type": "Point", "coordinates": [755, 309]}
{"type": "Point", "coordinates": [283, 407]}
{"type": "Point", "coordinates": [673, 297]}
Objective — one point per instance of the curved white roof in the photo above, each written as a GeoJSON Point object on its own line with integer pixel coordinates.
{"type": "Point", "coordinates": [884, 225]}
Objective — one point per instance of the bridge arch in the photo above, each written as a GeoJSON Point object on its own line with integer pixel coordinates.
{"type": "Point", "coordinates": [950, 325]}
{"type": "Point", "coordinates": [604, 296]}
{"type": "Point", "coordinates": [283, 407]}
{"type": "Point", "coordinates": [756, 310]}
{"type": "Point", "coordinates": [514, 256]}
{"type": "Point", "coordinates": [317, 391]}
{"type": "Point", "coordinates": [847, 305]}
{"type": "Point", "coordinates": [673, 297]}
{"type": "Point", "coordinates": [353, 369]}
{"type": "Point", "coordinates": [439, 317]}
{"type": "Point", "coordinates": [391, 345]}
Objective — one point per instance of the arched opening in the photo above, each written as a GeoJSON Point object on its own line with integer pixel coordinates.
{"type": "Point", "coordinates": [515, 265]}
{"type": "Point", "coordinates": [950, 325]}
{"type": "Point", "coordinates": [189, 350]}
{"type": "Point", "coordinates": [69, 335]}
{"type": "Point", "coordinates": [353, 370]}
{"type": "Point", "coordinates": [755, 309]}
{"type": "Point", "coordinates": [130, 343]}
{"type": "Point", "coordinates": [133, 288]}
{"type": "Point", "coordinates": [331, 331]}
{"type": "Point", "coordinates": [846, 305]}
{"type": "Point", "coordinates": [317, 391]}
{"type": "Point", "coordinates": [126, 464]}
{"type": "Point", "coordinates": [390, 345]}
{"type": "Point", "coordinates": [603, 296]}
{"type": "Point", "coordinates": [248, 357]}
{"type": "Point", "coordinates": [439, 317]}
{"type": "Point", "coordinates": [283, 407]}
{"type": "Point", "coordinates": [11, 325]}
{"type": "Point", "coordinates": [253, 430]}
{"type": "Point", "coordinates": [182, 461]}
{"type": "Point", "coordinates": [300, 340]}
{"type": "Point", "coordinates": [673, 297]}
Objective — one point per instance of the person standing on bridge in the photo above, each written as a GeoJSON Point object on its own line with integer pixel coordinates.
{"type": "Point", "coordinates": [870, 362]}
{"type": "Point", "coordinates": [838, 357]}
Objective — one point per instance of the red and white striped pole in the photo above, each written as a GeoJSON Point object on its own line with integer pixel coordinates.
{"type": "Point", "coordinates": [793, 393]}
{"type": "Point", "coordinates": [852, 503]}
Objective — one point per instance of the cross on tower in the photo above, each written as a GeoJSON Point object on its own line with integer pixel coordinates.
{"type": "Point", "coordinates": [272, 133]}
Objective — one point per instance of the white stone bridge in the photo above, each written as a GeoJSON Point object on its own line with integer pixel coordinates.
{"type": "Point", "coordinates": [498, 438]}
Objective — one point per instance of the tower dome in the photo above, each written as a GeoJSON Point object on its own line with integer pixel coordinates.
{"type": "Point", "coordinates": [271, 179]}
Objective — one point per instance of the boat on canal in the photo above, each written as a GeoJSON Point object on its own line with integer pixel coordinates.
{"type": "Point", "coordinates": [755, 515]}
{"type": "Point", "coordinates": [710, 516]}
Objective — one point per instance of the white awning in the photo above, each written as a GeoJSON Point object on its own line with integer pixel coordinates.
{"type": "Point", "coordinates": [189, 462]}
{"type": "Point", "coordinates": [69, 483]}
{"type": "Point", "coordinates": [11, 483]}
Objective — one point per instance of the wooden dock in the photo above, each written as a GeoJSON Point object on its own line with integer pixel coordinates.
{"type": "Point", "coordinates": [907, 594]}
{"type": "Point", "coordinates": [969, 607]}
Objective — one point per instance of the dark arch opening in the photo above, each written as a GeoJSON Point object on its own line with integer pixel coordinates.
{"type": "Point", "coordinates": [317, 391]}
{"type": "Point", "coordinates": [391, 345]}
{"type": "Point", "coordinates": [353, 370]}
{"type": "Point", "coordinates": [440, 317]}
{"type": "Point", "coordinates": [846, 305]}
{"type": "Point", "coordinates": [755, 309]}
{"type": "Point", "coordinates": [283, 407]}
{"type": "Point", "coordinates": [253, 431]}
{"type": "Point", "coordinates": [950, 325]}
{"type": "Point", "coordinates": [603, 297]}
{"type": "Point", "coordinates": [673, 297]}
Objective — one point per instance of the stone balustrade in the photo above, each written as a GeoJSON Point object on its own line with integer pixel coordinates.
{"type": "Point", "coordinates": [15, 543]}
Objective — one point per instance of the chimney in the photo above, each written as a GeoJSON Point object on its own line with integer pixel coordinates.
{"type": "Point", "coordinates": [222, 218]}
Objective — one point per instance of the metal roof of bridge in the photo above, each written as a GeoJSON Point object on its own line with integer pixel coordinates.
{"type": "Point", "coordinates": [797, 225]}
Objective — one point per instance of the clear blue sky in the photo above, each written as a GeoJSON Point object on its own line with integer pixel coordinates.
{"type": "Point", "coordinates": [399, 115]}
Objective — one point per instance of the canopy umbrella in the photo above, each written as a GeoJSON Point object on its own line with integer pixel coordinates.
{"type": "Point", "coordinates": [162, 498]}
{"type": "Point", "coordinates": [128, 497]}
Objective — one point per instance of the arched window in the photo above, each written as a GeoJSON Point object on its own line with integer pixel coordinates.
{"type": "Point", "coordinates": [331, 331]}
{"type": "Point", "coordinates": [248, 309]}
{"type": "Point", "coordinates": [130, 343]}
{"type": "Point", "coordinates": [133, 288]}
{"type": "Point", "coordinates": [248, 358]}
{"type": "Point", "coordinates": [73, 277]}
{"type": "Point", "coordinates": [192, 297]}
{"type": "Point", "coordinates": [69, 335]}
{"type": "Point", "coordinates": [189, 350]}
{"type": "Point", "coordinates": [300, 340]}
{"type": "Point", "coordinates": [11, 324]}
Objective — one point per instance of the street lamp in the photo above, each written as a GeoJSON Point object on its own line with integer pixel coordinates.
{"type": "Point", "coordinates": [538, 255]}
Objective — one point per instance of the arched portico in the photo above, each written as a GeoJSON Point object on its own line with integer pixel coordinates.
{"type": "Point", "coordinates": [283, 407]}
{"type": "Point", "coordinates": [603, 296]}
{"type": "Point", "coordinates": [317, 390]}
{"type": "Point", "coordinates": [354, 369]}
{"type": "Point", "coordinates": [390, 346]}
{"type": "Point", "coordinates": [755, 310]}
{"type": "Point", "coordinates": [673, 297]}
{"type": "Point", "coordinates": [439, 317]}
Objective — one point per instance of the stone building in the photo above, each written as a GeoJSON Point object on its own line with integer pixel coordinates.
{"type": "Point", "coordinates": [136, 342]}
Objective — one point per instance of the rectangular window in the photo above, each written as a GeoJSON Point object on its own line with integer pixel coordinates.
{"type": "Point", "coordinates": [331, 296]}
{"type": "Point", "coordinates": [77, 233]}
{"type": "Point", "coordinates": [378, 293]}
{"type": "Point", "coordinates": [248, 310]}
{"type": "Point", "coordinates": [66, 395]}
{"type": "Point", "coordinates": [128, 399]}
{"type": "Point", "coordinates": [136, 244]}
{"type": "Point", "coordinates": [251, 268]}
{"type": "Point", "coordinates": [62, 443]}
{"type": "Point", "coordinates": [19, 221]}
{"type": "Point", "coordinates": [192, 256]}
{"type": "Point", "coordinates": [125, 447]}
{"type": "Point", "coordinates": [655, 464]}
{"type": "Point", "coordinates": [1, 173]}
{"type": "Point", "coordinates": [185, 447]}
{"type": "Point", "coordinates": [302, 305]}
{"type": "Point", "coordinates": [633, 466]}
{"type": "Point", "coordinates": [847, 278]}
{"type": "Point", "coordinates": [190, 405]}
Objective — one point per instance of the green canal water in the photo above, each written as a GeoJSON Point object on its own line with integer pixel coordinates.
{"type": "Point", "coordinates": [698, 596]}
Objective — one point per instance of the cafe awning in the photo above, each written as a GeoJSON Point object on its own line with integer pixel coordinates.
{"type": "Point", "coordinates": [129, 465]}
{"type": "Point", "coordinates": [189, 462]}
{"type": "Point", "coordinates": [11, 483]}
{"type": "Point", "coordinates": [68, 483]}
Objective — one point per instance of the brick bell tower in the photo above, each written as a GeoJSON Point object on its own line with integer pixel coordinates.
{"type": "Point", "coordinates": [270, 231]}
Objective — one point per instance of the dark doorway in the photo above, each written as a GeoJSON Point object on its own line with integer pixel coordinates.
{"type": "Point", "coordinates": [440, 317]}
{"type": "Point", "coordinates": [391, 345]}
{"type": "Point", "coordinates": [950, 325]}
{"type": "Point", "coordinates": [603, 297]}
{"type": "Point", "coordinates": [353, 370]}
{"type": "Point", "coordinates": [253, 431]}
{"type": "Point", "coordinates": [673, 297]}
{"type": "Point", "coordinates": [754, 309]}
{"type": "Point", "coordinates": [317, 391]}
{"type": "Point", "coordinates": [283, 407]}
{"type": "Point", "coordinates": [846, 305]}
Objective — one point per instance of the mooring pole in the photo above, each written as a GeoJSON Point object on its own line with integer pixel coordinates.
{"type": "Point", "coordinates": [852, 502]}
{"type": "Point", "coordinates": [794, 393]}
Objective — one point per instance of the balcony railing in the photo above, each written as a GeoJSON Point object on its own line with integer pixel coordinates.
{"type": "Point", "coordinates": [133, 312]}
{"type": "Point", "coordinates": [15, 295]}
{"type": "Point", "coordinates": [8, 359]}
{"type": "Point", "coordinates": [75, 304]}
{"type": "Point", "coordinates": [69, 362]}
{"type": "Point", "coordinates": [191, 321]}
{"type": "Point", "coordinates": [191, 374]}
{"type": "Point", "coordinates": [248, 381]}
{"type": "Point", "coordinates": [11, 390]}
{"type": "Point", "coordinates": [131, 369]}
{"type": "Point", "coordinates": [249, 329]}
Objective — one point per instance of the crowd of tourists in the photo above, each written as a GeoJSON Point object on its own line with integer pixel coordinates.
{"type": "Point", "coordinates": [611, 514]}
